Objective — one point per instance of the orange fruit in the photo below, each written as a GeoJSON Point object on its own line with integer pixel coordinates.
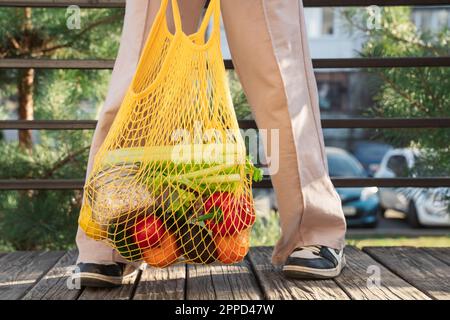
{"type": "Point", "coordinates": [232, 248]}
{"type": "Point", "coordinates": [165, 254]}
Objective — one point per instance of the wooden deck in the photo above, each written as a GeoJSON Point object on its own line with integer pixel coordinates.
{"type": "Point", "coordinates": [373, 273]}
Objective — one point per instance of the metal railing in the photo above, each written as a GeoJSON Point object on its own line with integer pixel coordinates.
{"type": "Point", "coordinates": [400, 62]}
{"type": "Point", "coordinates": [306, 3]}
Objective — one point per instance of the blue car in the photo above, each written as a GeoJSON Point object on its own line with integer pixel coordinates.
{"type": "Point", "coordinates": [361, 205]}
{"type": "Point", "coordinates": [370, 154]}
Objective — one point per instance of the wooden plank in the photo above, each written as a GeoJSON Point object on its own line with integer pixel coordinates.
{"type": "Point", "coordinates": [20, 270]}
{"type": "Point", "coordinates": [366, 279]}
{"type": "Point", "coordinates": [277, 287]}
{"type": "Point", "coordinates": [222, 282]}
{"type": "Point", "coordinates": [124, 292]}
{"type": "Point", "coordinates": [422, 270]}
{"type": "Point", "coordinates": [56, 285]}
{"type": "Point", "coordinates": [442, 254]}
{"type": "Point", "coordinates": [162, 284]}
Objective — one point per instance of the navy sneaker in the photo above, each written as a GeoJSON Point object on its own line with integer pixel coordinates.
{"type": "Point", "coordinates": [314, 262]}
{"type": "Point", "coordinates": [103, 275]}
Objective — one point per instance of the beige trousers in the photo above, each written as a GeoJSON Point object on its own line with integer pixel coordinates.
{"type": "Point", "coordinates": [269, 48]}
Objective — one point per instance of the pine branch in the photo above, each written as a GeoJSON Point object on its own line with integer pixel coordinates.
{"type": "Point", "coordinates": [430, 93]}
{"type": "Point", "coordinates": [401, 92]}
{"type": "Point", "coordinates": [62, 162]}
{"type": "Point", "coordinates": [91, 26]}
{"type": "Point", "coordinates": [388, 32]}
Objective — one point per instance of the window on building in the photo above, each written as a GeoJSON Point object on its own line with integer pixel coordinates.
{"type": "Point", "coordinates": [331, 95]}
{"type": "Point", "coordinates": [328, 21]}
{"type": "Point", "coordinates": [427, 19]}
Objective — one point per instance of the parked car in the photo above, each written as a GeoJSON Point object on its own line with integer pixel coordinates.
{"type": "Point", "coordinates": [361, 205]}
{"type": "Point", "coordinates": [422, 206]}
{"type": "Point", "coordinates": [370, 154]}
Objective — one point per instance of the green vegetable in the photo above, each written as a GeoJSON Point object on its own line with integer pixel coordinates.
{"type": "Point", "coordinates": [161, 173]}
{"type": "Point", "coordinates": [121, 236]}
{"type": "Point", "coordinates": [194, 153]}
{"type": "Point", "coordinates": [208, 171]}
{"type": "Point", "coordinates": [257, 174]}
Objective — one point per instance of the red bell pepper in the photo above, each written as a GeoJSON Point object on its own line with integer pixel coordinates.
{"type": "Point", "coordinates": [226, 214]}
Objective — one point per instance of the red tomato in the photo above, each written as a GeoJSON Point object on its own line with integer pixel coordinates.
{"type": "Point", "coordinates": [148, 232]}
{"type": "Point", "coordinates": [232, 215]}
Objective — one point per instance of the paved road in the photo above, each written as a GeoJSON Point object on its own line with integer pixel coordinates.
{"type": "Point", "coordinates": [395, 225]}
{"type": "Point", "coordinates": [391, 226]}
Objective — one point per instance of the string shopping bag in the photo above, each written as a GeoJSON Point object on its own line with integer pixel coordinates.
{"type": "Point", "coordinates": [171, 182]}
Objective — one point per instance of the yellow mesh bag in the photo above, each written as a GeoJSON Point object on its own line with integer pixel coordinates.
{"type": "Point", "coordinates": [172, 182]}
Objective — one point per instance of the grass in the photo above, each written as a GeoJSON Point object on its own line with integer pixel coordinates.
{"type": "Point", "coordinates": [5, 248]}
{"type": "Point", "coordinates": [265, 231]}
{"type": "Point", "coordinates": [382, 241]}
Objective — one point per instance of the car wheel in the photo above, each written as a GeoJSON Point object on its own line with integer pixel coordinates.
{"type": "Point", "coordinates": [412, 217]}
{"type": "Point", "coordinates": [371, 225]}
{"type": "Point", "coordinates": [382, 212]}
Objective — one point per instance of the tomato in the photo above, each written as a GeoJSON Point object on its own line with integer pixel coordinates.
{"type": "Point", "coordinates": [230, 214]}
{"type": "Point", "coordinates": [148, 232]}
{"type": "Point", "coordinates": [165, 254]}
{"type": "Point", "coordinates": [232, 248]}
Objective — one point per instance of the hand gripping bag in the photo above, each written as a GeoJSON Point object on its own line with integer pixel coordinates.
{"type": "Point", "coordinates": [171, 182]}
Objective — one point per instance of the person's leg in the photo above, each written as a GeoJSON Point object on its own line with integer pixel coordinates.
{"type": "Point", "coordinates": [269, 47]}
{"type": "Point", "coordinates": [91, 251]}
{"type": "Point", "coordinates": [139, 17]}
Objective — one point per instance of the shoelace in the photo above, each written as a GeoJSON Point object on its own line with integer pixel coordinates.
{"type": "Point", "coordinates": [314, 249]}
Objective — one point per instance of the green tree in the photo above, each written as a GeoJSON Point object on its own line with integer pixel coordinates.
{"type": "Point", "coordinates": [240, 103]}
{"type": "Point", "coordinates": [35, 219]}
{"type": "Point", "coordinates": [410, 92]}
{"type": "Point", "coordinates": [45, 33]}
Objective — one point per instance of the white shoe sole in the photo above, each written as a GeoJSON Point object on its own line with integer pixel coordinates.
{"type": "Point", "coordinates": [300, 272]}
